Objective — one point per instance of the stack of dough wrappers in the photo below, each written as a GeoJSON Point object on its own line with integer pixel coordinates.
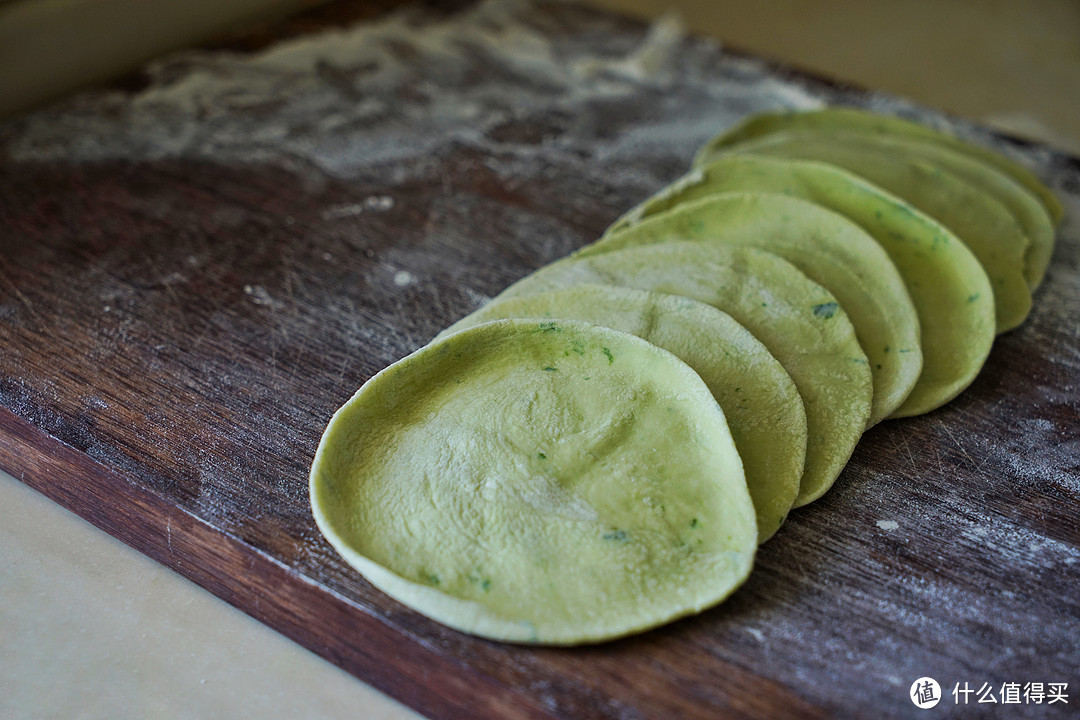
{"type": "Point", "coordinates": [601, 448]}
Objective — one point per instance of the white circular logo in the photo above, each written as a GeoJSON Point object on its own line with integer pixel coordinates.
{"type": "Point", "coordinates": [925, 693]}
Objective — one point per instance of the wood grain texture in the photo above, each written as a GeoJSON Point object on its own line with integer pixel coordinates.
{"type": "Point", "coordinates": [179, 319]}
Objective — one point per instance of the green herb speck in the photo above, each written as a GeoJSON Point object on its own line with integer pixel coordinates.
{"type": "Point", "coordinates": [542, 456]}
{"type": "Point", "coordinates": [610, 357]}
{"type": "Point", "coordinates": [972, 298]}
{"type": "Point", "coordinates": [616, 535]}
{"type": "Point", "coordinates": [486, 585]}
{"type": "Point", "coordinates": [826, 310]}
{"type": "Point", "coordinates": [694, 523]}
{"type": "Point", "coordinates": [551, 369]}
{"type": "Point", "coordinates": [549, 327]}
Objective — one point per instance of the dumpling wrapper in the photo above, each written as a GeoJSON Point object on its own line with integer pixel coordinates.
{"type": "Point", "coordinates": [798, 321]}
{"type": "Point", "coordinates": [759, 399]}
{"type": "Point", "coordinates": [849, 118]}
{"type": "Point", "coordinates": [553, 483]}
{"type": "Point", "coordinates": [830, 249]}
{"type": "Point", "coordinates": [985, 225]}
{"type": "Point", "coordinates": [946, 283]}
{"type": "Point", "coordinates": [1030, 215]}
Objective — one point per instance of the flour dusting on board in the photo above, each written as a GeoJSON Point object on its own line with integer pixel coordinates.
{"type": "Point", "coordinates": [394, 91]}
{"type": "Point", "coordinates": [403, 278]}
{"type": "Point", "coordinates": [229, 107]}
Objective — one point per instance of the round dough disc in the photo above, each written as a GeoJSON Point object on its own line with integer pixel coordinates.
{"type": "Point", "coordinates": [759, 399]}
{"type": "Point", "coordinates": [549, 482]}
{"type": "Point", "coordinates": [986, 226]}
{"type": "Point", "coordinates": [854, 119]}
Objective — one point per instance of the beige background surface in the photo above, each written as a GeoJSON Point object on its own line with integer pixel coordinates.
{"type": "Point", "coordinates": [49, 47]}
{"type": "Point", "coordinates": [91, 629]}
{"type": "Point", "coordinates": [1013, 64]}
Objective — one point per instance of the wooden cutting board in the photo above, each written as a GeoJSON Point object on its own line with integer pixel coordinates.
{"type": "Point", "coordinates": [199, 265]}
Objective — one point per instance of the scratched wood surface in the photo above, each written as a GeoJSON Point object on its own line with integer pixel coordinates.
{"type": "Point", "coordinates": [199, 264]}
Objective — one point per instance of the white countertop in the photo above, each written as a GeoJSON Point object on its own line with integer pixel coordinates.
{"type": "Point", "coordinates": [91, 628]}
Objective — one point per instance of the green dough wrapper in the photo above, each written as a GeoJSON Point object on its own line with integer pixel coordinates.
{"type": "Point", "coordinates": [554, 483]}
{"type": "Point", "coordinates": [830, 249]}
{"type": "Point", "coordinates": [986, 226]}
{"type": "Point", "coordinates": [849, 118]}
{"type": "Point", "coordinates": [1029, 214]}
{"type": "Point", "coordinates": [800, 322]}
{"type": "Point", "coordinates": [946, 283]}
{"type": "Point", "coordinates": [759, 399]}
